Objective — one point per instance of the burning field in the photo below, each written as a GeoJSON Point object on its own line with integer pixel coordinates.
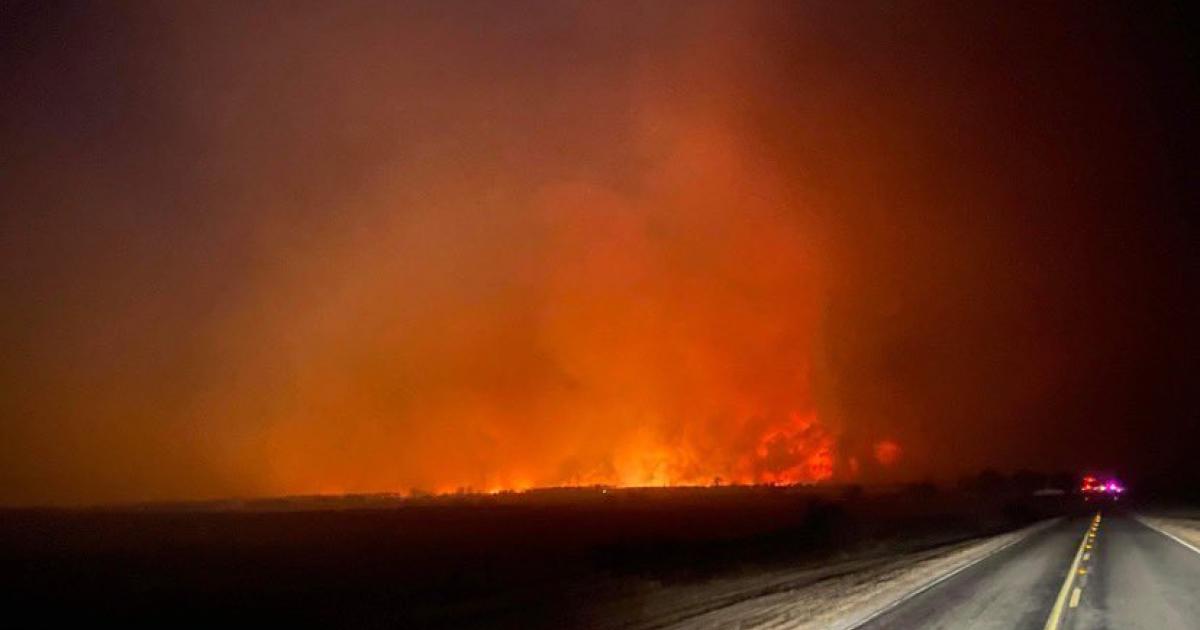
{"type": "Point", "coordinates": [660, 333]}
{"type": "Point", "coordinates": [576, 276]}
{"type": "Point", "coordinates": [424, 248]}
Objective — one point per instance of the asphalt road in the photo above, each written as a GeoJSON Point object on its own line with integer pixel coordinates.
{"type": "Point", "coordinates": [1126, 577]}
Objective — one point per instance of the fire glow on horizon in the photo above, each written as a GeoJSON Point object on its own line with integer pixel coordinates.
{"type": "Point", "coordinates": [583, 275]}
{"type": "Point", "coordinates": [653, 329]}
{"type": "Point", "coordinates": [258, 249]}
{"type": "Point", "coordinates": [649, 339]}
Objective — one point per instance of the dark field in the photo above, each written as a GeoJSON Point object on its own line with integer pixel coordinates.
{"type": "Point", "coordinates": [554, 558]}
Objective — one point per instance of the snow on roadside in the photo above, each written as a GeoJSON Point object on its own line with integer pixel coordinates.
{"type": "Point", "coordinates": [847, 599]}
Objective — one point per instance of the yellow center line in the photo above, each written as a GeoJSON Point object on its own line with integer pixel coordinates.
{"type": "Point", "coordinates": [1061, 601]}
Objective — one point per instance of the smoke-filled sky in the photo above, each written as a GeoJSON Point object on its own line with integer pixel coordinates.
{"type": "Point", "coordinates": [279, 247]}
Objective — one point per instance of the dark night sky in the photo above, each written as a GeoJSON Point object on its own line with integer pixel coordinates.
{"type": "Point", "coordinates": [264, 248]}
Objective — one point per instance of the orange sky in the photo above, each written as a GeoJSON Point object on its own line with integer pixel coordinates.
{"type": "Point", "coordinates": [647, 323]}
{"type": "Point", "coordinates": [342, 247]}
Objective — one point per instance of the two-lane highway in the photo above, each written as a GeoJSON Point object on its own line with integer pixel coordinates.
{"type": "Point", "coordinates": [1102, 571]}
{"type": "Point", "coordinates": [1135, 578]}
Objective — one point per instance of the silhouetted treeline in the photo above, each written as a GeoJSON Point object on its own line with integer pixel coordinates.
{"type": "Point", "coordinates": [1022, 482]}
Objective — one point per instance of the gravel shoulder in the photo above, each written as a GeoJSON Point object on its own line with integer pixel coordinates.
{"type": "Point", "coordinates": [837, 595]}
{"type": "Point", "coordinates": [1187, 529]}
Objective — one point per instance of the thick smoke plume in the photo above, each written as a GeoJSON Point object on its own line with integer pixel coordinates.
{"type": "Point", "coordinates": [513, 314]}
{"type": "Point", "coordinates": [263, 248]}
{"type": "Point", "coordinates": [355, 248]}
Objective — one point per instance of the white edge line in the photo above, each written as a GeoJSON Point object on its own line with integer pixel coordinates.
{"type": "Point", "coordinates": [1158, 529]}
{"type": "Point", "coordinates": [946, 576]}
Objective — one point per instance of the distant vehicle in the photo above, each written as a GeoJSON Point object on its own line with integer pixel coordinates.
{"type": "Point", "coordinates": [1094, 488]}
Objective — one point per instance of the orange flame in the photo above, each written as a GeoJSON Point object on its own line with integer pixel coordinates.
{"type": "Point", "coordinates": [644, 328]}
{"type": "Point", "coordinates": [798, 451]}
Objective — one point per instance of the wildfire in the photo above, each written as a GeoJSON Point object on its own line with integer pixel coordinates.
{"type": "Point", "coordinates": [798, 451]}
{"type": "Point", "coordinates": [652, 326]}
{"type": "Point", "coordinates": [794, 450]}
